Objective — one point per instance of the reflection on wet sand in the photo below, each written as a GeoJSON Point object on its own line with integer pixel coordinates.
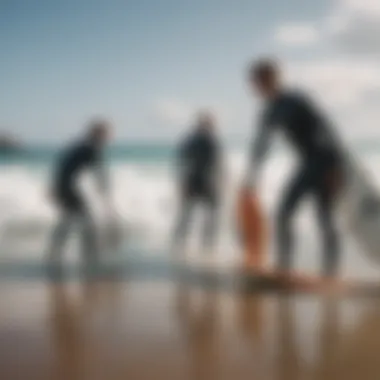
{"type": "Point", "coordinates": [250, 316]}
{"type": "Point", "coordinates": [200, 330]}
{"type": "Point", "coordinates": [140, 330]}
{"type": "Point", "coordinates": [328, 340]}
{"type": "Point", "coordinates": [73, 317]}
{"type": "Point", "coordinates": [67, 336]}
{"type": "Point", "coordinates": [288, 363]}
{"type": "Point", "coordinates": [357, 355]}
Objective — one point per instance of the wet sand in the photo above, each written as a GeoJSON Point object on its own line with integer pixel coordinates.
{"type": "Point", "coordinates": [167, 330]}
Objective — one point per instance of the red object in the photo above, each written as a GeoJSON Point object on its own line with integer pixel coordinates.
{"type": "Point", "coordinates": [252, 228]}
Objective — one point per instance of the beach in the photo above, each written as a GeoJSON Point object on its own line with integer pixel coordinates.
{"type": "Point", "coordinates": [145, 329]}
{"type": "Point", "coordinates": [149, 150]}
{"type": "Point", "coordinates": [148, 315]}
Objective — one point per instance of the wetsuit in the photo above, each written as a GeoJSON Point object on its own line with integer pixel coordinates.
{"type": "Point", "coordinates": [73, 162]}
{"type": "Point", "coordinates": [199, 168]}
{"type": "Point", "coordinates": [320, 156]}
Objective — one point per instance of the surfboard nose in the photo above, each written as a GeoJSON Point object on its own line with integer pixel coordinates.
{"type": "Point", "coordinates": [252, 229]}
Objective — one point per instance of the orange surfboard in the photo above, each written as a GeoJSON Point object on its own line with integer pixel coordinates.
{"type": "Point", "coordinates": [253, 232]}
{"type": "Point", "coordinates": [252, 229]}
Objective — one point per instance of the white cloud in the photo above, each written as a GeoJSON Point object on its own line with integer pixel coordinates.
{"type": "Point", "coordinates": [348, 90]}
{"type": "Point", "coordinates": [354, 26]}
{"type": "Point", "coordinates": [365, 6]}
{"type": "Point", "coordinates": [349, 83]}
{"type": "Point", "coordinates": [339, 83]}
{"type": "Point", "coordinates": [297, 34]}
{"type": "Point", "coordinates": [173, 111]}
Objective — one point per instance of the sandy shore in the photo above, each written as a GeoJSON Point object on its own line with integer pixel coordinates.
{"type": "Point", "coordinates": [139, 329]}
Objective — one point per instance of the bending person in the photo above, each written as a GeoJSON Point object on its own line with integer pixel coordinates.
{"type": "Point", "coordinates": [71, 203]}
{"type": "Point", "coordinates": [319, 154]}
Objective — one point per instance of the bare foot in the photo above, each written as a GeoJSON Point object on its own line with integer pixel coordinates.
{"type": "Point", "coordinates": [295, 280]}
{"type": "Point", "coordinates": [333, 286]}
{"type": "Point", "coordinates": [255, 268]}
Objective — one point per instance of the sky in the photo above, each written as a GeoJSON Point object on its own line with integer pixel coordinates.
{"type": "Point", "coordinates": [149, 65]}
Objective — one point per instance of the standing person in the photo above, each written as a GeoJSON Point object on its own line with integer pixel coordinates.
{"type": "Point", "coordinates": [72, 205]}
{"type": "Point", "coordinates": [199, 162]}
{"type": "Point", "coordinates": [320, 159]}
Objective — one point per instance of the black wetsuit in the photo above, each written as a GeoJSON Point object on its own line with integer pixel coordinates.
{"type": "Point", "coordinates": [199, 160]}
{"type": "Point", "coordinates": [73, 162]}
{"type": "Point", "coordinates": [320, 156]}
{"type": "Point", "coordinates": [199, 166]}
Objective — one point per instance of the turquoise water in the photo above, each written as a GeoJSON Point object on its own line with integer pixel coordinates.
{"type": "Point", "coordinates": [122, 152]}
{"type": "Point", "coordinates": [145, 152]}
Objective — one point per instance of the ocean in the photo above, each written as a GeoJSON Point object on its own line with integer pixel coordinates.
{"type": "Point", "coordinates": [144, 194]}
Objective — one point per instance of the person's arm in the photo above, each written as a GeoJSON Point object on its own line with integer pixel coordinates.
{"type": "Point", "coordinates": [220, 165]}
{"type": "Point", "coordinates": [102, 176]}
{"type": "Point", "coordinates": [259, 150]}
{"type": "Point", "coordinates": [56, 172]}
{"type": "Point", "coordinates": [181, 161]}
{"type": "Point", "coordinates": [103, 179]}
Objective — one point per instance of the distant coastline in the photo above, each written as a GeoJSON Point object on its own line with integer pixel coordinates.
{"type": "Point", "coordinates": [9, 144]}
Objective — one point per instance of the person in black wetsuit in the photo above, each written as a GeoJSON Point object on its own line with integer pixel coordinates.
{"type": "Point", "coordinates": [199, 162]}
{"type": "Point", "coordinates": [320, 156]}
{"type": "Point", "coordinates": [85, 154]}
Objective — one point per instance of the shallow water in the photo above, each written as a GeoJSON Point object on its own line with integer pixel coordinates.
{"type": "Point", "coordinates": [145, 198]}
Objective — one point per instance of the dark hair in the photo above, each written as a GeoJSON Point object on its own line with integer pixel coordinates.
{"type": "Point", "coordinates": [97, 127]}
{"type": "Point", "coordinates": [263, 70]}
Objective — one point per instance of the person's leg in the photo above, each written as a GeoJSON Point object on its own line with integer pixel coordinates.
{"type": "Point", "coordinates": [211, 221]}
{"type": "Point", "coordinates": [298, 187]}
{"type": "Point", "coordinates": [182, 225]}
{"type": "Point", "coordinates": [59, 237]}
{"type": "Point", "coordinates": [325, 204]}
{"type": "Point", "coordinates": [77, 210]}
{"type": "Point", "coordinates": [89, 236]}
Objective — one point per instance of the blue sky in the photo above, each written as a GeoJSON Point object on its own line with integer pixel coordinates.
{"type": "Point", "coordinates": [150, 64]}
